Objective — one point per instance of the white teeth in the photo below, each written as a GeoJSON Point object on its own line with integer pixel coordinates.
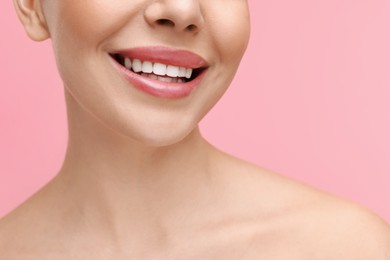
{"type": "Point", "coordinates": [188, 73]}
{"type": "Point", "coordinates": [159, 69]}
{"type": "Point", "coordinates": [169, 73]}
{"type": "Point", "coordinates": [165, 79]}
{"type": "Point", "coordinates": [182, 72]}
{"type": "Point", "coordinates": [152, 76]}
{"type": "Point", "coordinates": [172, 71]}
{"type": "Point", "coordinates": [128, 63]}
{"type": "Point", "coordinates": [147, 67]}
{"type": "Point", "coordinates": [137, 65]}
{"type": "Point", "coordinates": [149, 75]}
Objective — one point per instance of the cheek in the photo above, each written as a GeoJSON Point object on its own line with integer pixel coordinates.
{"type": "Point", "coordinates": [230, 34]}
{"type": "Point", "coordinates": [231, 31]}
{"type": "Point", "coordinates": [82, 21]}
{"type": "Point", "coordinates": [79, 30]}
{"type": "Point", "coordinates": [89, 22]}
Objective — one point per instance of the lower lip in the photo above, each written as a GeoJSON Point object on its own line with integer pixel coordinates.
{"type": "Point", "coordinates": [158, 88]}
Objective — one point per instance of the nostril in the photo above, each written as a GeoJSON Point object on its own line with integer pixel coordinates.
{"type": "Point", "coordinates": [165, 22]}
{"type": "Point", "coordinates": [192, 27]}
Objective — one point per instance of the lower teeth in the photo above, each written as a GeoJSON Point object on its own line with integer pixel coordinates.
{"type": "Point", "coordinates": [162, 78]}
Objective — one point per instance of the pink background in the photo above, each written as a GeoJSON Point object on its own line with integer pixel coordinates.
{"type": "Point", "coordinates": [311, 101]}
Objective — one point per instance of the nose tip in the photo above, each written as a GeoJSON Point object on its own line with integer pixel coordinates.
{"type": "Point", "coordinates": [182, 15]}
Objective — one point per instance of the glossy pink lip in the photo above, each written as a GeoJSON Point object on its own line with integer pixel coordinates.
{"type": "Point", "coordinates": [166, 56]}
{"type": "Point", "coordinates": [182, 58]}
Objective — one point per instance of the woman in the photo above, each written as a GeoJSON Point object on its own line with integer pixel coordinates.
{"type": "Point", "coordinates": [139, 181]}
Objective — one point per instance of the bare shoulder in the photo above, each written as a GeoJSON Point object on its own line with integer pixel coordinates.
{"type": "Point", "coordinates": [24, 231]}
{"type": "Point", "coordinates": [8, 234]}
{"type": "Point", "coordinates": [307, 222]}
{"type": "Point", "coordinates": [351, 231]}
{"type": "Point", "coordinates": [15, 233]}
{"type": "Point", "coordinates": [338, 228]}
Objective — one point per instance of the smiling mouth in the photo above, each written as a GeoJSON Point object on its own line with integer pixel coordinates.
{"type": "Point", "coordinates": [158, 71]}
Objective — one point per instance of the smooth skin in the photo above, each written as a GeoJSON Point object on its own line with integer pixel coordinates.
{"type": "Point", "coordinates": [139, 181]}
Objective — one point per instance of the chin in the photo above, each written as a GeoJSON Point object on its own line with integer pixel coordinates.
{"type": "Point", "coordinates": [158, 135]}
{"type": "Point", "coordinates": [162, 140]}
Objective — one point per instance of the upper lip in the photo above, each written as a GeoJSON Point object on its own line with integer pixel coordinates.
{"type": "Point", "coordinates": [165, 55]}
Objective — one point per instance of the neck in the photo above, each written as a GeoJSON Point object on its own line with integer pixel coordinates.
{"type": "Point", "coordinates": [119, 183]}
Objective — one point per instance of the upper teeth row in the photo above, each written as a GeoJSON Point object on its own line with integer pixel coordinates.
{"type": "Point", "coordinates": [157, 68]}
